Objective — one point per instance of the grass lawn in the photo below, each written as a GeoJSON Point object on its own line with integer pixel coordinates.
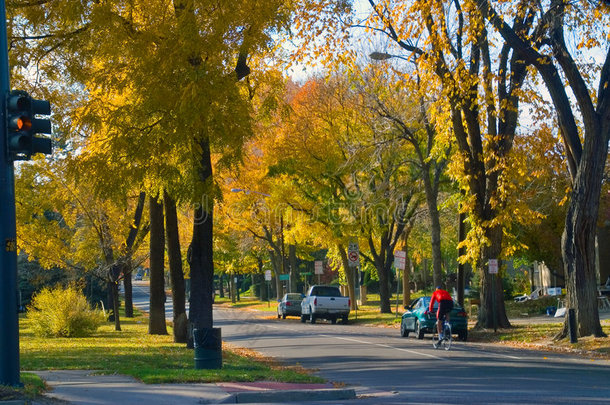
{"type": "Point", "coordinates": [33, 386]}
{"type": "Point", "coordinates": [542, 336]}
{"type": "Point", "coordinates": [149, 358]}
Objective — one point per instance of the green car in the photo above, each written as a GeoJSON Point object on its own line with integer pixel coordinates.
{"type": "Point", "coordinates": [418, 321]}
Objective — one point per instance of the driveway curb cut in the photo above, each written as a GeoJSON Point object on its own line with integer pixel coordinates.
{"type": "Point", "coordinates": [284, 396]}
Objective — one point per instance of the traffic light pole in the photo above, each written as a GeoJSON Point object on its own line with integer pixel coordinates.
{"type": "Point", "coordinates": [9, 321]}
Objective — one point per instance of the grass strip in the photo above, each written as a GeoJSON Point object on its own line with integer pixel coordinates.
{"type": "Point", "coordinates": [33, 386]}
{"type": "Point", "coordinates": [150, 358]}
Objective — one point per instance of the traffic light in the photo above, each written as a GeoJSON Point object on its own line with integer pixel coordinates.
{"type": "Point", "coordinates": [22, 126]}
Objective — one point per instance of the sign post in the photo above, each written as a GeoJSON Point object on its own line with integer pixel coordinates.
{"type": "Point", "coordinates": [267, 282]}
{"type": "Point", "coordinates": [319, 268]}
{"type": "Point", "coordinates": [353, 260]}
{"type": "Point", "coordinates": [400, 259]}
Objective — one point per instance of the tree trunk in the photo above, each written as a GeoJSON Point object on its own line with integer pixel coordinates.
{"type": "Point", "coordinates": [384, 288]}
{"type": "Point", "coordinates": [435, 226]}
{"type": "Point", "coordinates": [461, 272]}
{"type": "Point", "coordinates": [492, 294]}
{"type": "Point", "coordinates": [114, 288]}
{"type": "Point", "coordinates": [294, 271]}
{"type": "Point", "coordinates": [233, 288]}
{"type": "Point", "coordinates": [406, 275]}
{"type": "Point", "coordinates": [127, 268]}
{"type": "Point", "coordinates": [156, 320]}
{"type": "Point", "coordinates": [201, 250]}
{"type": "Point", "coordinates": [221, 285]}
{"type": "Point", "coordinates": [277, 270]}
{"type": "Point", "coordinates": [578, 243]}
{"type": "Point", "coordinates": [363, 292]}
{"type": "Point", "coordinates": [349, 276]}
{"type": "Point", "coordinates": [175, 270]}
{"type": "Point", "coordinates": [128, 295]}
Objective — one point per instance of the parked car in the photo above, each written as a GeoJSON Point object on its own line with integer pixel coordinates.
{"type": "Point", "coordinates": [290, 304]}
{"type": "Point", "coordinates": [138, 277]}
{"type": "Point", "coordinates": [324, 302]}
{"type": "Point", "coordinates": [417, 319]}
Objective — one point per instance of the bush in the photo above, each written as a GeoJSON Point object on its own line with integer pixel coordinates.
{"type": "Point", "coordinates": [62, 312]}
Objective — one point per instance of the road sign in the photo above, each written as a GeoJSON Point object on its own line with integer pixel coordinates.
{"type": "Point", "coordinates": [268, 275]}
{"type": "Point", "coordinates": [319, 267]}
{"type": "Point", "coordinates": [284, 277]}
{"type": "Point", "coordinates": [400, 259]}
{"type": "Point", "coordinates": [353, 255]}
{"type": "Point", "coordinates": [493, 266]}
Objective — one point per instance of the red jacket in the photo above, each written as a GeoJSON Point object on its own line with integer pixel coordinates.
{"type": "Point", "coordinates": [438, 296]}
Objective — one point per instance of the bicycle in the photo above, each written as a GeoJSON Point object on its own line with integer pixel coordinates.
{"type": "Point", "coordinates": [445, 342]}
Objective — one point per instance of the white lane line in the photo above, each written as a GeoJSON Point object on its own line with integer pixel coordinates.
{"type": "Point", "coordinates": [498, 354]}
{"type": "Point", "coordinates": [389, 347]}
{"type": "Point", "coordinates": [364, 342]}
{"type": "Point", "coordinates": [394, 347]}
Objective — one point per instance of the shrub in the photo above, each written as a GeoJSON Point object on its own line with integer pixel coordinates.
{"type": "Point", "coordinates": [60, 312]}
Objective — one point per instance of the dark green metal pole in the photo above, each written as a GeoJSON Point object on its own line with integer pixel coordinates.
{"type": "Point", "coordinates": [9, 320]}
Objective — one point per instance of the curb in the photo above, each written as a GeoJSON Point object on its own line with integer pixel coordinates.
{"type": "Point", "coordinates": [285, 396]}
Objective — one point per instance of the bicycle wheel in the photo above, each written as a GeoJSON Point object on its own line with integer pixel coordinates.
{"type": "Point", "coordinates": [447, 339]}
{"type": "Point", "coordinates": [435, 341]}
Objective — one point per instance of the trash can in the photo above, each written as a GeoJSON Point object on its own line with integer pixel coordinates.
{"type": "Point", "coordinates": [207, 343]}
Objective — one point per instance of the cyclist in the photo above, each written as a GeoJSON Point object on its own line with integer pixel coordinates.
{"type": "Point", "coordinates": [445, 305]}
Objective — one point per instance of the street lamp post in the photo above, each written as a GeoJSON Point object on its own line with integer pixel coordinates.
{"type": "Point", "coordinates": [385, 56]}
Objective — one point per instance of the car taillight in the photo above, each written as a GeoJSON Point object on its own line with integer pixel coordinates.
{"type": "Point", "coordinates": [315, 301]}
{"type": "Point", "coordinates": [349, 302]}
{"type": "Point", "coordinates": [288, 304]}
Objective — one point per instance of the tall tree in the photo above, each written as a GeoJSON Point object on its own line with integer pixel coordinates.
{"type": "Point", "coordinates": [156, 320]}
{"type": "Point", "coordinates": [477, 100]}
{"type": "Point", "coordinates": [430, 154]}
{"type": "Point", "coordinates": [64, 223]}
{"type": "Point", "coordinates": [174, 88]}
{"type": "Point", "coordinates": [555, 61]}
{"type": "Point", "coordinates": [175, 270]}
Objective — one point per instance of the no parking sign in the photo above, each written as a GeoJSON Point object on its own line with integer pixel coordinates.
{"type": "Point", "coordinates": [353, 255]}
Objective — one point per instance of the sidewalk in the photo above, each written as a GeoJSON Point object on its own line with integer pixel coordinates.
{"type": "Point", "coordinates": [82, 387]}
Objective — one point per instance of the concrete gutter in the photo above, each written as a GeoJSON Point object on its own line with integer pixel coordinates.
{"type": "Point", "coordinates": [285, 396]}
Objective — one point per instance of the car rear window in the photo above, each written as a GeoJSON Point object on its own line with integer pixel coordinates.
{"type": "Point", "coordinates": [293, 297]}
{"type": "Point", "coordinates": [326, 292]}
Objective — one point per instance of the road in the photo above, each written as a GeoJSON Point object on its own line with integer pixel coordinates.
{"type": "Point", "coordinates": [384, 367]}
{"type": "Point", "coordinates": [141, 300]}
{"type": "Point", "coordinates": [380, 363]}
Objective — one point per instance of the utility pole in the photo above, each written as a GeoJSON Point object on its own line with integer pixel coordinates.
{"type": "Point", "coordinates": [9, 320]}
{"type": "Point", "coordinates": [19, 126]}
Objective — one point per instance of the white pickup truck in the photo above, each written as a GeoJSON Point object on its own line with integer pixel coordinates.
{"type": "Point", "coordinates": [324, 302]}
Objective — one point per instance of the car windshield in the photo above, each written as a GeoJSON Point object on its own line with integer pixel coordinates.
{"type": "Point", "coordinates": [293, 297]}
{"type": "Point", "coordinates": [425, 302]}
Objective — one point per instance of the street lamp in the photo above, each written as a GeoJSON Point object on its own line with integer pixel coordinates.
{"type": "Point", "coordinates": [385, 56]}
